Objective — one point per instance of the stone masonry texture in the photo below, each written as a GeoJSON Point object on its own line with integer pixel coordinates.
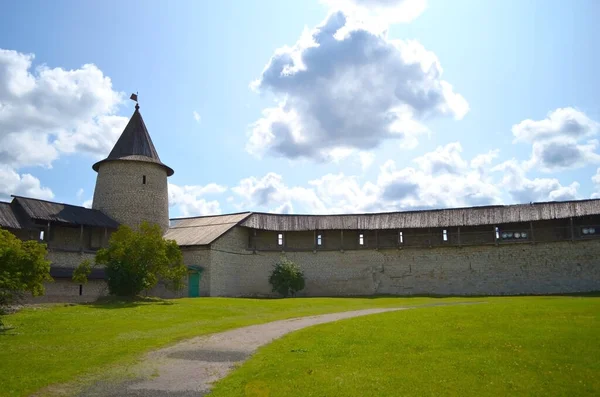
{"type": "Point", "coordinates": [64, 289]}
{"type": "Point", "coordinates": [231, 269]}
{"type": "Point", "coordinates": [121, 194]}
{"type": "Point", "coordinates": [540, 268]}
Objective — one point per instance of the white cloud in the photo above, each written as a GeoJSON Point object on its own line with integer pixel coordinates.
{"type": "Point", "coordinates": [440, 182]}
{"type": "Point", "coordinates": [87, 203]}
{"type": "Point", "coordinates": [596, 182]}
{"type": "Point", "coordinates": [443, 179]}
{"type": "Point", "coordinates": [381, 11]}
{"type": "Point", "coordinates": [523, 189]}
{"type": "Point", "coordinates": [444, 159]}
{"type": "Point", "coordinates": [270, 193]}
{"type": "Point", "coordinates": [190, 201]}
{"type": "Point", "coordinates": [79, 193]}
{"type": "Point", "coordinates": [339, 193]}
{"type": "Point", "coordinates": [54, 110]}
{"type": "Point", "coordinates": [596, 178]}
{"type": "Point", "coordinates": [344, 87]}
{"type": "Point", "coordinates": [366, 159]}
{"type": "Point", "coordinates": [563, 153]}
{"type": "Point", "coordinates": [285, 208]}
{"type": "Point", "coordinates": [557, 141]}
{"type": "Point", "coordinates": [48, 111]}
{"type": "Point", "coordinates": [562, 122]}
{"type": "Point", "coordinates": [95, 137]}
{"type": "Point", "coordinates": [197, 116]}
{"type": "Point", "coordinates": [482, 162]}
{"type": "Point", "coordinates": [21, 184]}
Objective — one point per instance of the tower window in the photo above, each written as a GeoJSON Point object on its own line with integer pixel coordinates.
{"type": "Point", "coordinates": [400, 238]}
{"type": "Point", "coordinates": [319, 239]}
{"type": "Point", "coordinates": [144, 180]}
{"type": "Point", "coordinates": [280, 239]}
{"type": "Point", "coordinates": [361, 239]}
{"type": "Point", "coordinates": [80, 289]}
{"type": "Point", "coordinates": [445, 235]}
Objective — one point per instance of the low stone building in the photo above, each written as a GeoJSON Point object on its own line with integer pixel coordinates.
{"type": "Point", "coordinates": [72, 234]}
{"type": "Point", "coordinates": [536, 248]}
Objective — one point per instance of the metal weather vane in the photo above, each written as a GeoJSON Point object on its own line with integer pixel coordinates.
{"type": "Point", "coordinates": [134, 97]}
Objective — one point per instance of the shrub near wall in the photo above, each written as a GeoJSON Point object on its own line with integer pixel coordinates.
{"type": "Point", "coordinates": [286, 278]}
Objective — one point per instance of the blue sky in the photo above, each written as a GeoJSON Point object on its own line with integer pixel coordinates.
{"type": "Point", "coordinates": [307, 106]}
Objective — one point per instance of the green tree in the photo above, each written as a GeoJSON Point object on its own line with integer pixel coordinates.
{"type": "Point", "coordinates": [23, 268]}
{"type": "Point", "coordinates": [135, 261]}
{"type": "Point", "coordinates": [286, 278]}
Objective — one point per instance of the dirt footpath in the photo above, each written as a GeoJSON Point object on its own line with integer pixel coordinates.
{"type": "Point", "coordinates": [190, 367]}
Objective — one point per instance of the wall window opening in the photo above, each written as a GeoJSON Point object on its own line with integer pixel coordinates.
{"type": "Point", "coordinates": [588, 231]}
{"type": "Point", "coordinates": [144, 180]}
{"type": "Point", "coordinates": [400, 238]}
{"type": "Point", "coordinates": [513, 235]}
{"type": "Point", "coordinates": [445, 235]}
{"type": "Point", "coordinates": [42, 235]}
{"type": "Point", "coordinates": [80, 289]}
{"type": "Point", "coordinates": [361, 239]}
{"type": "Point", "coordinates": [319, 240]}
{"type": "Point", "coordinates": [280, 239]}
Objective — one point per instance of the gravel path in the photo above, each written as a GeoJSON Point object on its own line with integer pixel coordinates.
{"type": "Point", "coordinates": [189, 367]}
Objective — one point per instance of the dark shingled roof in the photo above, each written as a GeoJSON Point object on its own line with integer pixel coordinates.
{"type": "Point", "coordinates": [135, 144]}
{"type": "Point", "coordinates": [65, 213]}
{"type": "Point", "coordinates": [9, 218]}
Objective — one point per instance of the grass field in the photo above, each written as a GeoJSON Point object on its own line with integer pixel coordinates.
{"type": "Point", "coordinates": [55, 344]}
{"type": "Point", "coordinates": [527, 346]}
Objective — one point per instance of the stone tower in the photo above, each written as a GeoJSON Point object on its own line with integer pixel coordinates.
{"type": "Point", "coordinates": [131, 186]}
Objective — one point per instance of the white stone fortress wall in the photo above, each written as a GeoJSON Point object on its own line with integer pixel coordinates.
{"type": "Point", "coordinates": [536, 268]}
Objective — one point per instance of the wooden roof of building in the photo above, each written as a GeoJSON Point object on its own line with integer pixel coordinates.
{"type": "Point", "coordinates": [134, 144]}
{"type": "Point", "coordinates": [49, 211]}
{"type": "Point", "coordinates": [202, 230]}
{"type": "Point", "coordinates": [472, 216]}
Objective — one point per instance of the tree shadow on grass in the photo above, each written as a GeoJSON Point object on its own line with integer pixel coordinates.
{"type": "Point", "coordinates": [126, 302]}
{"type": "Point", "coordinates": [4, 328]}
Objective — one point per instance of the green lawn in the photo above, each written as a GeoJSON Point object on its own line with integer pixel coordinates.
{"type": "Point", "coordinates": [55, 344]}
{"type": "Point", "coordinates": [542, 346]}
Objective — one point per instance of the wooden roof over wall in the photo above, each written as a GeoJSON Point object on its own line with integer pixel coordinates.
{"type": "Point", "coordinates": [472, 216]}
{"type": "Point", "coordinates": [202, 230]}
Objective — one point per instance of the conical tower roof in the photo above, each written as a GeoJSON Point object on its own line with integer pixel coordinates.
{"type": "Point", "coordinates": [134, 144]}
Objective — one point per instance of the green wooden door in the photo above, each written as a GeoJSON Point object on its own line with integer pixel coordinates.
{"type": "Point", "coordinates": [194, 284]}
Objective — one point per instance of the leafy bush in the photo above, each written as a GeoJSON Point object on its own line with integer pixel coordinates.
{"type": "Point", "coordinates": [135, 260]}
{"type": "Point", "coordinates": [286, 278]}
{"type": "Point", "coordinates": [23, 268]}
